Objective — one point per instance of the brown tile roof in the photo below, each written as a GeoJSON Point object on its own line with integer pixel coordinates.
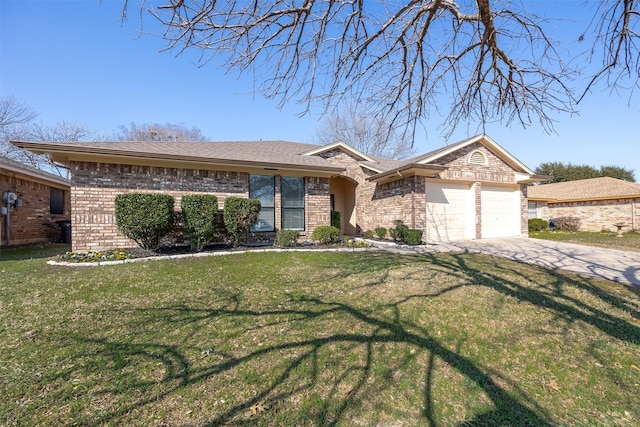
{"type": "Point", "coordinates": [274, 153]}
{"type": "Point", "coordinates": [585, 189]}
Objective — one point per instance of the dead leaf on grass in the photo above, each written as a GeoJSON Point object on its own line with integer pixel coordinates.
{"type": "Point", "coordinates": [635, 367]}
{"type": "Point", "coordinates": [257, 408]}
{"type": "Point", "coordinates": [552, 384]}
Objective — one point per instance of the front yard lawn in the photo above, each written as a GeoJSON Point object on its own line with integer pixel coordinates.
{"type": "Point", "coordinates": [316, 338]}
{"type": "Point", "coordinates": [629, 241]}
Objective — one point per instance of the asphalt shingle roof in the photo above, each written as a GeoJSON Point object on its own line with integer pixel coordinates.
{"type": "Point", "coordinates": [585, 189]}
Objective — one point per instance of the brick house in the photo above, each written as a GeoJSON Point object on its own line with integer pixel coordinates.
{"type": "Point", "coordinates": [42, 201]}
{"type": "Point", "coordinates": [469, 190]}
{"type": "Point", "coordinates": [598, 202]}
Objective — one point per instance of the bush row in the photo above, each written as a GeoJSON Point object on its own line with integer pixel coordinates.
{"type": "Point", "coordinates": [147, 217]}
{"type": "Point", "coordinates": [400, 233]}
{"type": "Point", "coordinates": [567, 223]}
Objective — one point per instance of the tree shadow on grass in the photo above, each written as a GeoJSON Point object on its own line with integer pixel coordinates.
{"type": "Point", "coordinates": [314, 343]}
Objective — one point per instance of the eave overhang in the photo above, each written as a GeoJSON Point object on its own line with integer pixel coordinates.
{"type": "Point", "coordinates": [534, 178]}
{"type": "Point", "coordinates": [407, 171]}
{"type": "Point", "coordinates": [35, 176]}
{"type": "Point", "coordinates": [65, 155]}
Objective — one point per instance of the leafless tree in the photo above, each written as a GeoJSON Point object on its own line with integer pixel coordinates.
{"type": "Point", "coordinates": [158, 132]}
{"type": "Point", "coordinates": [361, 130]}
{"type": "Point", "coordinates": [28, 130]}
{"type": "Point", "coordinates": [478, 60]}
{"type": "Point", "coordinates": [14, 112]}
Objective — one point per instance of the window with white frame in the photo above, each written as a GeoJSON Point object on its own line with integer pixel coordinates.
{"type": "Point", "coordinates": [532, 210]}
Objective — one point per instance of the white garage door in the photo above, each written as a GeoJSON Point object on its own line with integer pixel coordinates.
{"type": "Point", "coordinates": [500, 212]}
{"type": "Point", "coordinates": [450, 212]}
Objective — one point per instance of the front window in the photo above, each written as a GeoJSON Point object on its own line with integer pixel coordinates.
{"type": "Point", "coordinates": [56, 201]}
{"type": "Point", "coordinates": [532, 210]}
{"type": "Point", "coordinates": [292, 203]}
{"type": "Point", "coordinates": [262, 187]}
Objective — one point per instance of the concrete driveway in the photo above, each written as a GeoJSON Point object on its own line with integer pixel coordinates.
{"type": "Point", "coordinates": [609, 264]}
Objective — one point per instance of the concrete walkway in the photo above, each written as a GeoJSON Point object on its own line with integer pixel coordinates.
{"type": "Point", "coordinates": [609, 264]}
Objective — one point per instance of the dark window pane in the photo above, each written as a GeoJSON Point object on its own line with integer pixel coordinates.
{"type": "Point", "coordinates": [262, 187]}
{"type": "Point", "coordinates": [56, 201]}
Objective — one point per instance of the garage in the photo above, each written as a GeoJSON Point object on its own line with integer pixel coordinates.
{"type": "Point", "coordinates": [450, 212]}
{"type": "Point", "coordinates": [500, 211]}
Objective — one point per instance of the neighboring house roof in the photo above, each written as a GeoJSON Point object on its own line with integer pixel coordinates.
{"type": "Point", "coordinates": [604, 188]}
{"type": "Point", "coordinates": [8, 166]}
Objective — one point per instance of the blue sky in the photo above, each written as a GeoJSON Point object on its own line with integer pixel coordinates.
{"type": "Point", "coordinates": [74, 61]}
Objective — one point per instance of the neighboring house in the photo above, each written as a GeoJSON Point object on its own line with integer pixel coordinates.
{"type": "Point", "coordinates": [598, 202]}
{"type": "Point", "coordinates": [468, 190]}
{"type": "Point", "coordinates": [41, 201]}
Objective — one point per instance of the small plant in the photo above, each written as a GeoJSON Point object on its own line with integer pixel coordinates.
{"type": "Point", "coordinates": [368, 234]}
{"type": "Point", "coordinates": [199, 213]}
{"type": "Point", "coordinates": [336, 220]}
{"type": "Point", "coordinates": [239, 215]}
{"type": "Point", "coordinates": [286, 239]}
{"type": "Point", "coordinates": [567, 223]}
{"type": "Point", "coordinates": [399, 232]}
{"type": "Point", "coordinates": [354, 243]}
{"type": "Point", "coordinates": [144, 217]}
{"type": "Point", "coordinates": [538, 224]}
{"type": "Point", "coordinates": [96, 256]}
{"type": "Point", "coordinates": [381, 232]}
{"type": "Point", "coordinates": [326, 234]}
{"type": "Point", "coordinates": [413, 237]}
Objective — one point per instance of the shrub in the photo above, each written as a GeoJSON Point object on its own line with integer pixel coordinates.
{"type": "Point", "coordinates": [144, 217]}
{"type": "Point", "coordinates": [381, 232]}
{"type": "Point", "coordinates": [199, 216]}
{"type": "Point", "coordinates": [368, 234]}
{"type": "Point", "coordinates": [399, 232]}
{"type": "Point", "coordinates": [286, 238]}
{"type": "Point", "coordinates": [326, 234]}
{"type": "Point", "coordinates": [413, 236]}
{"type": "Point", "coordinates": [568, 223]}
{"type": "Point", "coordinates": [239, 215]}
{"type": "Point", "coordinates": [336, 220]}
{"type": "Point", "coordinates": [538, 224]}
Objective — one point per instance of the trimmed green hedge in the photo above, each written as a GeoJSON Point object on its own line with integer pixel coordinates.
{"type": "Point", "coordinates": [538, 224]}
{"type": "Point", "coordinates": [381, 232]}
{"type": "Point", "coordinates": [413, 237]}
{"type": "Point", "coordinates": [239, 215]}
{"type": "Point", "coordinates": [199, 213]}
{"type": "Point", "coordinates": [326, 234]}
{"type": "Point", "coordinates": [144, 217]}
{"type": "Point", "coordinates": [336, 219]}
{"type": "Point", "coordinates": [286, 239]}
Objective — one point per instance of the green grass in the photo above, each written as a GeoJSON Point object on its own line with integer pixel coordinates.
{"type": "Point", "coordinates": [366, 338]}
{"type": "Point", "coordinates": [629, 241]}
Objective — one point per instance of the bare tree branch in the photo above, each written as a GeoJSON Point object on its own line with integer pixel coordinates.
{"type": "Point", "coordinates": [477, 60]}
{"type": "Point", "coordinates": [618, 40]}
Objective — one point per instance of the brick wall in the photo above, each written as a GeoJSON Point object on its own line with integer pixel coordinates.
{"type": "Point", "coordinates": [596, 215]}
{"type": "Point", "coordinates": [405, 199]}
{"type": "Point", "coordinates": [496, 170]}
{"type": "Point", "coordinates": [32, 222]}
{"type": "Point", "coordinates": [97, 184]}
